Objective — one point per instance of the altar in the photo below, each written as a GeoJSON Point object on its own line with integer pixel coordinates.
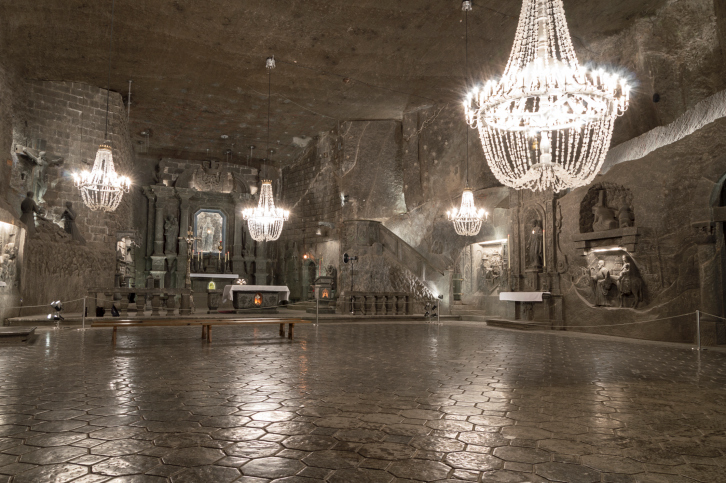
{"type": "Point", "coordinates": [254, 298]}
{"type": "Point", "coordinates": [200, 281]}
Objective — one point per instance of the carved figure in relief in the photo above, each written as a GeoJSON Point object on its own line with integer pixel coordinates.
{"type": "Point", "coordinates": [332, 272]}
{"type": "Point", "coordinates": [604, 216]}
{"type": "Point", "coordinates": [40, 177]}
{"type": "Point", "coordinates": [535, 245]}
{"type": "Point", "coordinates": [171, 232]}
{"type": "Point", "coordinates": [625, 215]}
{"type": "Point", "coordinates": [629, 284]}
{"type": "Point", "coordinates": [29, 208]}
{"type": "Point", "coordinates": [69, 223]}
{"type": "Point", "coordinates": [601, 284]}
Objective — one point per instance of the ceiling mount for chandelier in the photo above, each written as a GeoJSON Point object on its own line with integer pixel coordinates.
{"type": "Point", "coordinates": [548, 122]}
{"type": "Point", "coordinates": [265, 221]}
{"type": "Point", "coordinates": [102, 189]}
{"type": "Point", "coordinates": [467, 219]}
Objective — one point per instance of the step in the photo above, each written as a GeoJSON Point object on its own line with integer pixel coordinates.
{"type": "Point", "coordinates": [515, 324]}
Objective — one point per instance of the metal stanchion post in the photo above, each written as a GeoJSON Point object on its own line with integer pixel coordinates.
{"type": "Point", "coordinates": [698, 329]}
{"type": "Point", "coordinates": [317, 311]}
{"type": "Point", "coordinates": [83, 314]}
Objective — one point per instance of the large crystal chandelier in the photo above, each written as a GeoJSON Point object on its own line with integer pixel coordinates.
{"type": "Point", "coordinates": [467, 220]}
{"type": "Point", "coordinates": [265, 222]}
{"type": "Point", "coordinates": [102, 189]}
{"type": "Point", "coordinates": [548, 122]}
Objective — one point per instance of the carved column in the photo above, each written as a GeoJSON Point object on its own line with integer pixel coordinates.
{"type": "Point", "coordinates": [150, 225]}
{"type": "Point", "coordinates": [184, 194]}
{"type": "Point", "coordinates": [158, 259]}
{"type": "Point", "coordinates": [239, 227]}
{"type": "Point", "coordinates": [710, 283]}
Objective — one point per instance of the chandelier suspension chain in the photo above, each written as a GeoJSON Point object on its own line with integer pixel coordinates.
{"type": "Point", "coordinates": [466, 81]}
{"type": "Point", "coordinates": [110, 50]}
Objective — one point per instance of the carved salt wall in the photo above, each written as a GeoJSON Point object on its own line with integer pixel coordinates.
{"type": "Point", "coordinates": [675, 244]}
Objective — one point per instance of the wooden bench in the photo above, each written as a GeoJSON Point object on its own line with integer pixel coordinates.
{"type": "Point", "coordinates": [206, 324]}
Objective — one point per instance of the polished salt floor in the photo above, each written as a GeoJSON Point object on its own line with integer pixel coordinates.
{"type": "Point", "coordinates": [358, 402]}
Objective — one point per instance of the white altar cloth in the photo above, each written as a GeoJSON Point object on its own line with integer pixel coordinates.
{"type": "Point", "coordinates": [522, 296]}
{"type": "Point", "coordinates": [214, 275]}
{"type": "Point", "coordinates": [229, 289]}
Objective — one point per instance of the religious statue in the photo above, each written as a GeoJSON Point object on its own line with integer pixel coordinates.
{"type": "Point", "coordinates": [69, 224]}
{"type": "Point", "coordinates": [601, 284]}
{"type": "Point", "coordinates": [625, 215]}
{"type": "Point", "coordinates": [629, 284]}
{"type": "Point", "coordinates": [535, 246]}
{"type": "Point", "coordinates": [29, 208]}
{"type": "Point", "coordinates": [40, 182]}
{"type": "Point", "coordinates": [604, 216]}
{"type": "Point", "coordinates": [171, 231]}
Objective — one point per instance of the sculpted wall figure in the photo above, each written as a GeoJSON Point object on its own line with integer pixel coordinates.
{"type": "Point", "coordinates": [629, 284]}
{"type": "Point", "coordinates": [69, 223]}
{"type": "Point", "coordinates": [604, 216]}
{"type": "Point", "coordinates": [29, 208]}
{"type": "Point", "coordinates": [602, 282]}
{"type": "Point", "coordinates": [535, 245]}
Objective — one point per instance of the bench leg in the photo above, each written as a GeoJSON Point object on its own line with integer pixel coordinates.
{"type": "Point", "coordinates": [204, 331]}
{"type": "Point", "coordinates": [291, 329]}
{"type": "Point", "coordinates": [282, 330]}
{"type": "Point", "coordinates": [209, 333]}
{"type": "Point", "coordinates": [113, 337]}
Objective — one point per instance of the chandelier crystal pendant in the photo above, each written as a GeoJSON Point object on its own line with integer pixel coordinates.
{"type": "Point", "coordinates": [265, 222]}
{"type": "Point", "coordinates": [102, 189]}
{"type": "Point", "coordinates": [548, 122]}
{"type": "Point", "coordinates": [467, 220]}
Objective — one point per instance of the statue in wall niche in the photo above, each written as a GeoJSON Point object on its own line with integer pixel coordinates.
{"type": "Point", "coordinates": [171, 232]}
{"type": "Point", "coordinates": [29, 208]}
{"type": "Point", "coordinates": [601, 284]}
{"type": "Point", "coordinates": [629, 284]}
{"type": "Point", "coordinates": [69, 223]}
{"type": "Point", "coordinates": [535, 245]}
{"type": "Point", "coordinates": [604, 216]}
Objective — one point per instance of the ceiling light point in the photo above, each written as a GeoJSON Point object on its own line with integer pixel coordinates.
{"type": "Point", "coordinates": [466, 6]}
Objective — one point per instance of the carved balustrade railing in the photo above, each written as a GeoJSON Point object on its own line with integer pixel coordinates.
{"type": "Point", "coordinates": [380, 303]}
{"type": "Point", "coordinates": [159, 299]}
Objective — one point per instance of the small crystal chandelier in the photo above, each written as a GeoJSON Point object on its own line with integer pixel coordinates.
{"type": "Point", "coordinates": [102, 189]}
{"type": "Point", "coordinates": [265, 222]}
{"type": "Point", "coordinates": [548, 122]}
{"type": "Point", "coordinates": [467, 220]}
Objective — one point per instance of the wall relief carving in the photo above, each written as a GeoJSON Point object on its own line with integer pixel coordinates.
{"type": "Point", "coordinates": [533, 240]}
{"type": "Point", "coordinates": [211, 178]}
{"type": "Point", "coordinates": [612, 281]}
{"type": "Point", "coordinates": [606, 206]}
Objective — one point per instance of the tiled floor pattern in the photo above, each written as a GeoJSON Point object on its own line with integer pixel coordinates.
{"type": "Point", "coordinates": [355, 403]}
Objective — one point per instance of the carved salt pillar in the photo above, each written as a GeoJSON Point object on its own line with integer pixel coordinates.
{"type": "Point", "coordinates": [150, 225]}
{"type": "Point", "coordinates": [710, 282]}
{"type": "Point", "coordinates": [237, 255]}
{"type": "Point", "coordinates": [158, 259]}
{"type": "Point", "coordinates": [184, 194]}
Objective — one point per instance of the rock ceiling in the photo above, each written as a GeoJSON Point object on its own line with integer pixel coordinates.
{"type": "Point", "coordinates": [198, 67]}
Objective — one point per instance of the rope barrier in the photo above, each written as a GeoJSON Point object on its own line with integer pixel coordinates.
{"type": "Point", "coordinates": [43, 305]}
{"type": "Point", "coordinates": [711, 315]}
{"type": "Point", "coordinates": [618, 325]}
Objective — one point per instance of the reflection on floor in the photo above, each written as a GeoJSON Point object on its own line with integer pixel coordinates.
{"type": "Point", "coordinates": [346, 403]}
